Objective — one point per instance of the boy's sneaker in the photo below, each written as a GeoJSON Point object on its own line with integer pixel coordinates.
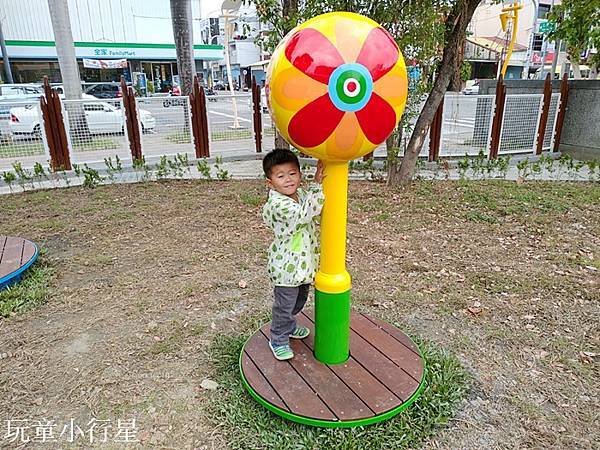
{"type": "Point", "coordinates": [281, 352]}
{"type": "Point", "coordinates": [300, 333]}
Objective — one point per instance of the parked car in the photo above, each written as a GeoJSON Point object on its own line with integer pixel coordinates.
{"type": "Point", "coordinates": [11, 94]}
{"type": "Point", "coordinates": [211, 95]}
{"type": "Point", "coordinates": [472, 90]}
{"type": "Point", "coordinates": [105, 90]}
{"type": "Point", "coordinates": [101, 118]}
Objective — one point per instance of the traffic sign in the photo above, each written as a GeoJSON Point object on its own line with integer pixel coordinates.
{"type": "Point", "coordinates": [546, 27]}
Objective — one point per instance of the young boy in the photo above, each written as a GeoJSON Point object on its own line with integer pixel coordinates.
{"type": "Point", "coordinates": [292, 213]}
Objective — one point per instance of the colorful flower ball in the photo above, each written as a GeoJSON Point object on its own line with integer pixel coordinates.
{"type": "Point", "coordinates": [337, 86]}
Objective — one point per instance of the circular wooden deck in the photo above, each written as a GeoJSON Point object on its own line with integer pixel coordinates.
{"type": "Point", "coordinates": [384, 374]}
{"type": "Point", "coordinates": [16, 255]}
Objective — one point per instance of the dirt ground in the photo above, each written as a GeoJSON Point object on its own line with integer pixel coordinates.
{"type": "Point", "coordinates": [504, 276]}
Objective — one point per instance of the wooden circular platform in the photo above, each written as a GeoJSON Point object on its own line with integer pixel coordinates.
{"type": "Point", "coordinates": [384, 374]}
{"type": "Point", "coordinates": [16, 255]}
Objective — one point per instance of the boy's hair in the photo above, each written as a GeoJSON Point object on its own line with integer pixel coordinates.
{"type": "Point", "coordinates": [277, 157]}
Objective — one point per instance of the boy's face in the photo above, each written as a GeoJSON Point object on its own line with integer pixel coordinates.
{"type": "Point", "coordinates": [284, 178]}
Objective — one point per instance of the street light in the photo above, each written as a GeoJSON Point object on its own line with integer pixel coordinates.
{"type": "Point", "coordinates": [229, 8]}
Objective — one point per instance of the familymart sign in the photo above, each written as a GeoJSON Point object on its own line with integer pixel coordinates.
{"type": "Point", "coordinates": [108, 50]}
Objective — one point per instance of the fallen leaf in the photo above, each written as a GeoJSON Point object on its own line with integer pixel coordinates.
{"type": "Point", "coordinates": [585, 357]}
{"type": "Point", "coordinates": [209, 384]}
{"type": "Point", "coordinates": [474, 310]}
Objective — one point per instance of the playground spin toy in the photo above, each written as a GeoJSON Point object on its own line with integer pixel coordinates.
{"type": "Point", "coordinates": [336, 89]}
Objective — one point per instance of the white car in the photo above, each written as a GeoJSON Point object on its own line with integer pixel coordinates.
{"type": "Point", "coordinates": [471, 90]}
{"type": "Point", "coordinates": [101, 118]}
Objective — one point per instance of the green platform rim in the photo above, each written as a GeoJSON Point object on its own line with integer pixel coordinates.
{"type": "Point", "coordinates": [341, 423]}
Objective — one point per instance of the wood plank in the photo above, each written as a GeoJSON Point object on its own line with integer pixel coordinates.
{"type": "Point", "coordinates": [259, 383]}
{"type": "Point", "coordinates": [11, 257]}
{"type": "Point", "coordinates": [395, 332]}
{"type": "Point", "coordinates": [345, 404]}
{"type": "Point", "coordinates": [28, 252]}
{"type": "Point", "coordinates": [390, 347]}
{"type": "Point", "coordinates": [290, 386]}
{"type": "Point", "coordinates": [381, 367]}
{"type": "Point", "coordinates": [377, 397]}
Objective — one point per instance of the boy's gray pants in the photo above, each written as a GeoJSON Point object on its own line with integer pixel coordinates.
{"type": "Point", "coordinates": [288, 302]}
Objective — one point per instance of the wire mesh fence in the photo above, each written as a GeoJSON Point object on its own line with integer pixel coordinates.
{"type": "Point", "coordinates": [230, 124]}
{"type": "Point", "coordinates": [466, 124]}
{"type": "Point", "coordinates": [95, 129]}
{"type": "Point", "coordinates": [268, 130]}
{"type": "Point", "coordinates": [551, 124]}
{"type": "Point", "coordinates": [22, 134]}
{"type": "Point", "coordinates": [520, 123]}
{"type": "Point", "coordinates": [165, 125]}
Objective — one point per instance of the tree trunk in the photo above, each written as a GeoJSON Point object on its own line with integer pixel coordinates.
{"type": "Point", "coordinates": [181, 18]}
{"type": "Point", "coordinates": [69, 70]}
{"type": "Point", "coordinates": [456, 26]}
{"type": "Point", "coordinates": [576, 70]}
{"type": "Point", "coordinates": [456, 82]}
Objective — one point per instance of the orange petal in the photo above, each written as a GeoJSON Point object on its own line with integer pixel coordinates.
{"type": "Point", "coordinates": [293, 90]}
{"type": "Point", "coordinates": [349, 37]}
{"type": "Point", "coordinates": [393, 87]}
{"type": "Point", "coordinates": [347, 139]}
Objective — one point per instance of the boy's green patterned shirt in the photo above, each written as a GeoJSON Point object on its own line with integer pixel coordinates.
{"type": "Point", "coordinates": [294, 253]}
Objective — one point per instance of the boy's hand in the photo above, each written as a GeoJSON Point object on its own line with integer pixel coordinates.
{"type": "Point", "coordinates": [319, 174]}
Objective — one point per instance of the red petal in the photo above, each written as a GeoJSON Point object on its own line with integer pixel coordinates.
{"type": "Point", "coordinates": [377, 119]}
{"type": "Point", "coordinates": [314, 123]}
{"type": "Point", "coordinates": [312, 53]}
{"type": "Point", "coordinates": [379, 53]}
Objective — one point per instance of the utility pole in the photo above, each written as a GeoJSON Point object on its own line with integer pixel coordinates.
{"type": "Point", "coordinates": [545, 50]}
{"type": "Point", "coordinates": [531, 36]}
{"type": "Point", "coordinates": [9, 77]}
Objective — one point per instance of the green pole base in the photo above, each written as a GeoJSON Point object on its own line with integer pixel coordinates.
{"type": "Point", "coordinates": [332, 327]}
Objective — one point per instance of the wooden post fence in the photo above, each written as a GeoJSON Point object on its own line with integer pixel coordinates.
{"type": "Point", "coordinates": [497, 120]}
{"type": "Point", "coordinates": [435, 133]}
{"type": "Point", "coordinates": [54, 126]}
{"type": "Point", "coordinates": [257, 111]}
{"type": "Point", "coordinates": [131, 120]}
{"type": "Point", "coordinates": [199, 119]}
{"type": "Point", "coordinates": [545, 112]}
{"type": "Point", "coordinates": [562, 109]}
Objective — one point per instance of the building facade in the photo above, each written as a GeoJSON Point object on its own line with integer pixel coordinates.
{"type": "Point", "coordinates": [487, 42]}
{"type": "Point", "coordinates": [112, 38]}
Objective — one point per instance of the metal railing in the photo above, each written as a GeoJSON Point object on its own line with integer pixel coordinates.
{"type": "Point", "coordinates": [230, 132]}
{"type": "Point", "coordinates": [520, 123]}
{"type": "Point", "coordinates": [22, 134]}
{"type": "Point", "coordinates": [466, 125]}
{"type": "Point", "coordinates": [96, 129]}
{"type": "Point", "coordinates": [166, 125]}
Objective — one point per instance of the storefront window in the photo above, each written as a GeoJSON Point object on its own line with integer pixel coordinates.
{"type": "Point", "coordinates": [34, 71]}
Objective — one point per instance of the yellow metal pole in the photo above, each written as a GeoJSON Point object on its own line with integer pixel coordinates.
{"type": "Point", "coordinates": [332, 283]}
{"type": "Point", "coordinates": [515, 18]}
{"type": "Point", "coordinates": [332, 276]}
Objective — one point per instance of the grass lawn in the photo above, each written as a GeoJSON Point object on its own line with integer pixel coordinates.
{"type": "Point", "coordinates": [21, 148]}
{"type": "Point", "coordinates": [18, 148]}
{"type": "Point", "coordinates": [498, 282]}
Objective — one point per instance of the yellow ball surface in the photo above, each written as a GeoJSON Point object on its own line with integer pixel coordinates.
{"type": "Point", "coordinates": [337, 86]}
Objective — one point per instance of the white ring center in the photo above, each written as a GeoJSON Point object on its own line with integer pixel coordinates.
{"type": "Point", "coordinates": [356, 90]}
